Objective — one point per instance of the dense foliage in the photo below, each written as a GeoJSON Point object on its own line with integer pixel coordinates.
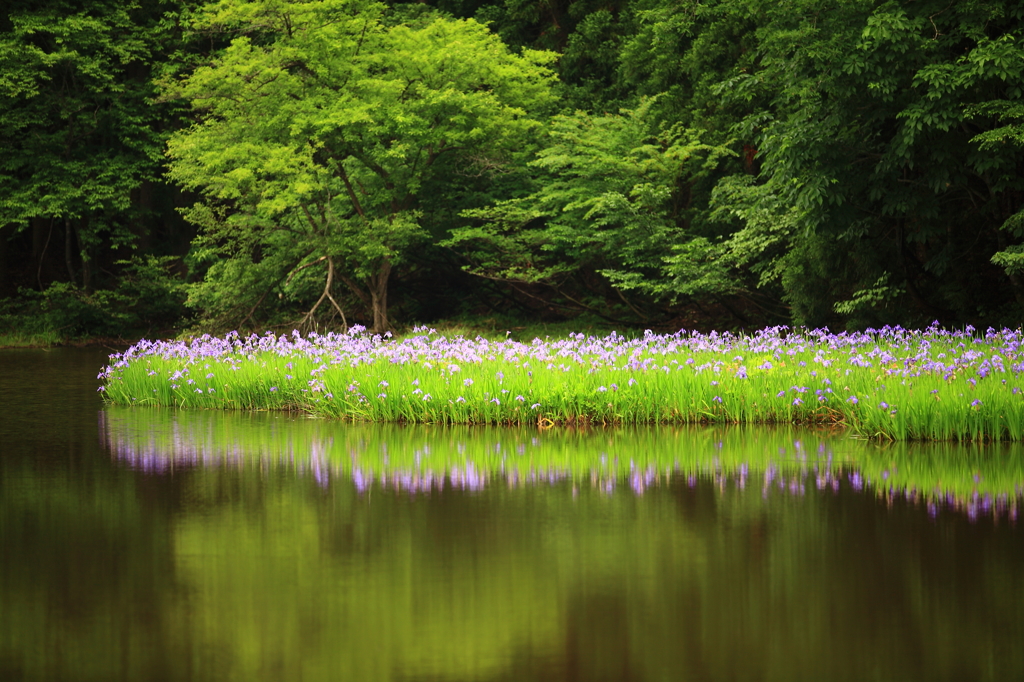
{"type": "Point", "coordinates": [733, 162]}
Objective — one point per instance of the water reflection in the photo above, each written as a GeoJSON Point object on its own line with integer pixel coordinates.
{"type": "Point", "coordinates": [488, 554]}
{"type": "Point", "coordinates": [213, 546]}
{"type": "Point", "coordinates": [979, 481]}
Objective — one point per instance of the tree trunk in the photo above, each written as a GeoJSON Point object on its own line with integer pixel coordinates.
{"type": "Point", "coordinates": [377, 301]}
{"type": "Point", "coordinates": [5, 287]}
{"type": "Point", "coordinates": [39, 234]}
{"type": "Point", "coordinates": [86, 270]}
{"type": "Point", "coordinates": [142, 197]}
{"type": "Point", "coordinates": [42, 230]}
{"type": "Point", "coordinates": [379, 298]}
{"type": "Point", "coordinates": [68, 248]}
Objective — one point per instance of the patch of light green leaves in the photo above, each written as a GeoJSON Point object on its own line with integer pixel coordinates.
{"type": "Point", "coordinates": [319, 125]}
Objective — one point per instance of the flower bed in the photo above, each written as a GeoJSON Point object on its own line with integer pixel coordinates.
{"type": "Point", "coordinates": [887, 383]}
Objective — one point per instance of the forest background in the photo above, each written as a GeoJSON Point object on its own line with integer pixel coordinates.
{"type": "Point", "coordinates": [175, 166]}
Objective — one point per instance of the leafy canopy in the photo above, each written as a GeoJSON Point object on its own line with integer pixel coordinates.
{"type": "Point", "coordinates": [611, 196]}
{"type": "Point", "coordinates": [316, 130]}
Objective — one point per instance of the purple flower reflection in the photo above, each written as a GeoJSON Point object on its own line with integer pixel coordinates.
{"type": "Point", "coordinates": [362, 483]}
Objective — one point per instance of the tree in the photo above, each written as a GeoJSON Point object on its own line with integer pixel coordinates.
{"type": "Point", "coordinates": [316, 132]}
{"type": "Point", "coordinates": [881, 188]}
{"type": "Point", "coordinates": [78, 129]}
{"type": "Point", "coordinates": [612, 196]}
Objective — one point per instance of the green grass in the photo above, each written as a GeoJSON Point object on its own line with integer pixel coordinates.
{"type": "Point", "coordinates": [30, 340]}
{"type": "Point", "coordinates": [932, 385]}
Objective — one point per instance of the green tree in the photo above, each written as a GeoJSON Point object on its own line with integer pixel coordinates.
{"type": "Point", "coordinates": [881, 186]}
{"type": "Point", "coordinates": [612, 197]}
{"type": "Point", "coordinates": [317, 130]}
{"type": "Point", "coordinates": [877, 162]}
{"type": "Point", "coordinates": [78, 129]}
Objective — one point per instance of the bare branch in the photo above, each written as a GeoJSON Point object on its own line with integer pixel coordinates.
{"type": "Point", "coordinates": [327, 290]}
{"type": "Point", "coordinates": [326, 294]}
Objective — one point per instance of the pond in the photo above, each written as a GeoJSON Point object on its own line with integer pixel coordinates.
{"type": "Point", "coordinates": [149, 544]}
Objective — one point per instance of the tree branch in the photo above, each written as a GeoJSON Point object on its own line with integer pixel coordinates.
{"type": "Point", "coordinates": [326, 294]}
{"type": "Point", "coordinates": [363, 296]}
{"type": "Point", "coordinates": [303, 267]}
{"type": "Point", "coordinates": [351, 192]}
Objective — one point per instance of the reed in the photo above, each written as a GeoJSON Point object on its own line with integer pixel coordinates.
{"type": "Point", "coordinates": [890, 383]}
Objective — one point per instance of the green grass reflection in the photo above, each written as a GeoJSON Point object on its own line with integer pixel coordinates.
{"type": "Point", "coordinates": [980, 479]}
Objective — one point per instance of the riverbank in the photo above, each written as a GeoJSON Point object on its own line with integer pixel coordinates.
{"type": "Point", "coordinates": [29, 340]}
{"type": "Point", "coordinates": [892, 383]}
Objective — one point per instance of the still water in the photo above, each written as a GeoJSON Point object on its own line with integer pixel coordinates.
{"type": "Point", "coordinates": [152, 544]}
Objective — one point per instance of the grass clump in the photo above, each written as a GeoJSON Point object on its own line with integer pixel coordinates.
{"type": "Point", "coordinates": [23, 339]}
{"type": "Point", "coordinates": [890, 383]}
